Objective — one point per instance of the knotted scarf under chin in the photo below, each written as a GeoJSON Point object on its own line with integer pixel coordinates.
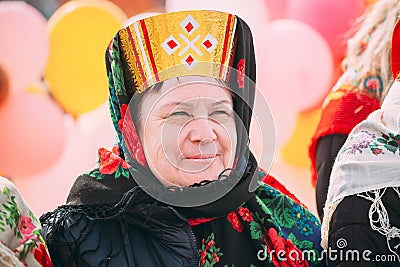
{"type": "Point", "coordinates": [107, 190]}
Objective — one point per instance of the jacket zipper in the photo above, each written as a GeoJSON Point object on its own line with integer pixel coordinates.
{"type": "Point", "coordinates": [193, 241]}
{"type": "Point", "coordinates": [192, 238]}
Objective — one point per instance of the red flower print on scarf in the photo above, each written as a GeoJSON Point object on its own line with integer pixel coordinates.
{"type": "Point", "coordinates": [25, 225]}
{"type": "Point", "coordinates": [110, 160]}
{"type": "Point", "coordinates": [26, 228]}
{"type": "Point", "coordinates": [285, 249]}
{"type": "Point", "coordinates": [130, 136]}
{"type": "Point", "coordinates": [215, 256]}
{"type": "Point", "coordinates": [209, 253]}
{"type": "Point", "coordinates": [203, 257]}
{"type": "Point", "coordinates": [240, 75]}
{"type": "Point", "coordinates": [41, 256]}
{"type": "Point", "coordinates": [235, 221]}
{"type": "Point", "coordinates": [203, 254]}
{"type": "Point", "coordinates": [210, 244]}
{"type": "Point", "coordinates": [245, 214]}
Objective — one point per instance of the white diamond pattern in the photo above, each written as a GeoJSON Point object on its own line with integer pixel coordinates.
{"type": "Point", "coordinates": [189, 25]}
{"type": "Point", "coordinates": [209, 43]}
{"type": "Point", "coordinates": [189, 61]}
{"type": "Point", "coordinates": [170, 45]}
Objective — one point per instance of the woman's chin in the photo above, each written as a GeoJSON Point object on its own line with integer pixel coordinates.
{"type": "Point", "coordinates": [185, 175]}
{"type": "Point", "coordinates": [193, 178]}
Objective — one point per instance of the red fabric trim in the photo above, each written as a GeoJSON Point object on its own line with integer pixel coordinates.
{"type": "Point", "coordinates": [146, 38]}
{"type": "Point", "coordinates": [227, 32]}
{"type": "Point", "coordinates": [395, 55]}
{"type": "Point", "coordinates": [194, 222]}
{"type": "Point", "coordinates": [136, 53]}
{"type": "Point", "coordinates": [339, 117]}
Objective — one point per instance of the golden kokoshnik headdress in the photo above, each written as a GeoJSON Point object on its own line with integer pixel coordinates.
{"type": "Point", "coordinates": [196, 43]}
{"type": "Point", "coordinates": [178, 41]}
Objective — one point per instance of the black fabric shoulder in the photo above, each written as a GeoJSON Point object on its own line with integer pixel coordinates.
{"type": "Point", "coordinates": [326, 152]}
{"type": "Point", "coordinates": [75, 239]}
{"type": "Point", "coordinates": [87, 190]}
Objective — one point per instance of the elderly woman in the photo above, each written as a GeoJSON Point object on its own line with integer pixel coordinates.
{"type": "Point", "coordinates": [181, 188]}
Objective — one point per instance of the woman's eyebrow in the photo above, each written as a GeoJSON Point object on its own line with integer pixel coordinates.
{"type": "Point", "coordinates": [175, 104]}
{"type": "Point", "coordinates": [188, 104]}
{"type": "Point", "coordinates": [222, 102]}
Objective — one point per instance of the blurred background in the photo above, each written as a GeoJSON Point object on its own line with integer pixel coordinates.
{"type": "Point", "coordinates": [53, 86]}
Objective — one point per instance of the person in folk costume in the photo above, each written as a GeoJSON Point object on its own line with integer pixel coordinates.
{"type": "Point", "coordinates": [361, 214]}
{"type": "Point", "coordinates": [360, 90]}
{"type": "Point", "coordinates": [181, 187]}
{"type": "Point", "coordinates": [21, 242]}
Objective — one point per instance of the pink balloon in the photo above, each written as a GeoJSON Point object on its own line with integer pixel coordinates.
{"type": "Point", "coordinates": [294, 65]}
{"type": "Point", "coordinates": [32, 134]}
{"type": "Point", "coordinates": [277, 8]}
{"type": "Point", "coordinates": [331, 18]}
{"type": "Point", "coordinates": [24, 43]}
{"type": "Point", "coordinates": [4, 85]}
{"type": "Point", "coordinates": [84, 136]}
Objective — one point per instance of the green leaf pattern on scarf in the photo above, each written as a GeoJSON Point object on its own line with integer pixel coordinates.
{"type": "Point", "coordinates": [95, 174]}
{"type": "Point", "coordinates": [209, 254]}
{"type": "Point", "coordinates": [121, 172]}
{"type": "Point", "coordinates": [293, 221]}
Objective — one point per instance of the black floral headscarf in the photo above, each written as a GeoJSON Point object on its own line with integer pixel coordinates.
{"type": "Point", "coordinates": [133, 66]}
{"type": "Point", "coordinates": [238, 68]}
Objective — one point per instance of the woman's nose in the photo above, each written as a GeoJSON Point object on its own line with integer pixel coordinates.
{"type": "Point", "coordinates": [202, 130]}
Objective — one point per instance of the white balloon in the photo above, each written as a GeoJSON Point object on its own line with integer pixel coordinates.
{"type": "Point", "coordinates": [285, 123]}
{"type": "Point", "coordinates": [262, 132]}
{"type": "Point", "coordinates": [140, 16]}
{"type": "Point", "coordinates": [256, 14]}
{"type": "Point", "coordinates": [97, 128]}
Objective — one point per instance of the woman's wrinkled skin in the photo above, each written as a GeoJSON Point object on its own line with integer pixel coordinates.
{"type": "Point", "coordinates": [188, 131]}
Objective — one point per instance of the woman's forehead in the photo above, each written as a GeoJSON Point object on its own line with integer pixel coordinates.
{"type": "Point", "coordinates": [190, 87]}
{"type": "Point", "coordinates": [184, 80]}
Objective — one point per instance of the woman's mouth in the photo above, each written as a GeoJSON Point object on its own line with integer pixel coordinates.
{"type": "Point", "coordinates": [201, 158]}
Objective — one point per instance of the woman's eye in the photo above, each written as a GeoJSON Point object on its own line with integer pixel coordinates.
{"type": "Point", "coordinates": [220, 112]}
{"type": "Point", "coordinates": [179, 113]}
{"type": "Point", "coordinates": [221, 116]}
{"type": "Point", "coordinates": [178, 117]}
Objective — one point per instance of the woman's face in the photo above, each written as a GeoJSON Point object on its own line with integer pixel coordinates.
{"type": "Point", "coordinates": [188, 131]}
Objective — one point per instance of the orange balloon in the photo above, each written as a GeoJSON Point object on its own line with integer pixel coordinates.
{"type": "Point", "coordinates": [4, 84]}
{"type": "Point", "coordinates": [295, 152]}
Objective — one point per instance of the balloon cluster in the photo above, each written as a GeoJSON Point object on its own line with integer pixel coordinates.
{"type": "Point", "coordinates": [49, 69]}
{"type": "Point", "coordinates": [303, 49]}
{"type": "Point", "coordinates": [299, 48]}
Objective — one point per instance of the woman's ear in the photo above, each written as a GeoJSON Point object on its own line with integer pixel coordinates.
{"type": "Point", "coordinates": [395, 55]}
